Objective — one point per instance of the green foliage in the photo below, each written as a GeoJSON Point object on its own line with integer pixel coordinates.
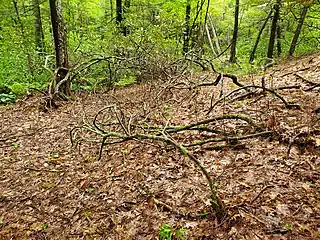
{"type": "Point", "coordinates": [167, 233]}
{"type": "Point", "coordinates": [15, 146]}
{"type": "Point", "coordinates": [6, 98]}
{"type": "Point", "coordinates": [45, 226]}
{"type": "Point", "coordinates": [204, 214]}
{"type": "Point", "coordinates": [155, 36]}
{"type": "Point", "coordinates": [18, 89]}
{"type": "Point", "coordinates": [126, 81]}
{"type": "Point", "coordinates": [288, 226]}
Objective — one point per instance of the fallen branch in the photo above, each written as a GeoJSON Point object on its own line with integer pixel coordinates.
{"type": "Point", "coordinates": [304, 79]}
{"type": "Point", "coordinates": [256, 93]}
{"type": "Point", "coordinates": [313, 87]}
{"type": "Point", "coordinates": [217, 204]}
{"type": "Point", "coordinates": [197, 125]}
{"type": "Point", "coordinates": [229, 139]}
{"type": "Point", "coordinates": [287, 105]}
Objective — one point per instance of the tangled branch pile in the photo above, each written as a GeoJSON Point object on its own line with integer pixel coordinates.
{"type": "Point", "coordinates": [150, 118]}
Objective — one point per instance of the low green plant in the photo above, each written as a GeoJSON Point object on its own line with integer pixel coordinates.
{"type": "Point", "coordinates": [15, 146]}
{"type": "Point", "coordinates": [45, 226]}
{"type": "Point", "coordinates": [6, 98]}
{"type": "Point", "coordinates": [167, 233]}
{"type": "Point", "coordinates": [126, 81]}
{"type": "Point", "coordinates": [288, 226]}
{"type": "Point", "coordinates": [18, 89]}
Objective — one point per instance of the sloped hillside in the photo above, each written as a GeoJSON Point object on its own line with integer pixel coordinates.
{"type": "Point", "coordinates": [264, 160]}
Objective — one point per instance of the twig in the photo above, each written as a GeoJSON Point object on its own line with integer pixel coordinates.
{"type": "Point", "coordinates": [304, 79]}
{"type": "Point", "coordinates": [228, 139]}
{"type": "Point", "coordinates": [313, 87]}
{"type": "Point", "coordinates": [287, 105]}
{"type": "Point", "coordinates": [261, 191]}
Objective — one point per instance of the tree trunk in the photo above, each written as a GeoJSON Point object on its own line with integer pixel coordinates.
{"type": "Point", "coordinates": [254, 49]}
{"type": "Point", "coordinates": [38, 31]}
{"type": "Point", "coordinates": [125, 29]}
{"type": "Point", "coordinates": [273, 29]}
{"type": "Point", "coordinates": [298, 31]}
{"type": "Point", "coordinates": [22, 31]}
{"type": "Point", "coordinates": [186, 33]}
{"type": "Point", "coordinates": [59, 36]}
{"type": "Point", "coordinates": [216, 40]}
{"type": "Point", "coordinates": [118, 12]}
{"type": "Point", "coordinates": [111, 8]}
{"type": "Point", "coordinates": [233, 58]}
{"type": "Point", "coordinates": [279, 48]}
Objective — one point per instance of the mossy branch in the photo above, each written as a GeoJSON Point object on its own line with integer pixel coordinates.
{"type": "Point", "coordinates": [216, 201]}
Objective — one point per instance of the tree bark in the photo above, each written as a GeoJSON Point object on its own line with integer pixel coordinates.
{"type": "Point", "coordinates": [186, 33]}
{"type": "Point", "coordinates": [279, 48]}
{"type": "Point", "coordinates": [59, 36]}
{"type": "Point", "coordinates": [38, 31]}
{"type": "Point", "coordinates": [118, 12]}
{"type": "Point", "coordinates": [273, 29]}
{"type": "Point", "coordinates": [125, 29]}
{"type": "Point", "coordinates": [111, 8]}
{"type": "Point", "coordinates": [233, 58]}
{"type": "Point", "coordinates": [254, 49]}
{"type": "Point", "coordinates": [298, 31]}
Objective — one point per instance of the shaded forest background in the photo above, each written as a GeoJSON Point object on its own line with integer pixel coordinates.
{"type": "Point", "coordinates": [121, 42]}
{"type": "Point", "coordinates": [216, 138]}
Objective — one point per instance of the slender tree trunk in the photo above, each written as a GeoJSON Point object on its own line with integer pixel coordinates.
{"type": "Point", "coordinates": [210, 41]}
{"type": "Point", "coordinates": [118, 12]}
{"type": "Point", "coordinates": [298, 31]}
{"type": "Point", "coordinates": [23, 36]}
{"type": "Point", "coordinates": [273, 29]}
{"type": "Point", "coordinates": [111, 9]}
{"type": "Point", "coordinates": [186, 33]}
{"type": "Point", "coordinates": [254, 49]}
{"type": "Point", "coordinates": [216, 40]}
{"type": "Point", "coordinates": [38, 31]}
{"type": "Point", "coordinates": [125, 29]}
{"type": "Point", "coordinates": [59, 36]}
{"type": "Point", "coordinates": [279, 48]}
{"type": "Point", "coordinates": [233, 58]}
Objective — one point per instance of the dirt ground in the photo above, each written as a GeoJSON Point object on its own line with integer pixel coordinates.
{"type": "Point", "coordinates": [51, 190]}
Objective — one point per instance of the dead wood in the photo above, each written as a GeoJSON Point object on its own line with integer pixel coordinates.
{"type": "Point", "coordinates": [313, 87]}
{"type": "Point", "coordinates": [287, 105]}
{"type": "Point", "coordinates": [126, 130]}
{"type": "Point", "coordinates": [304, 79]}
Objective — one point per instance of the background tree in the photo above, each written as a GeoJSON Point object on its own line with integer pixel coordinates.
{"type": "Point", "coordinates": [273, 30]}
{"type": "Point", "coordinates": [186, 33]}
{"type": "Point", "coordinates": [38, 31]}
{"type": "Point", "coordinates": [298, 30]}
{"type": "Point", "coordinates": [158, 30]}
{"type": "Point", "coordinates": [62, 62]}
{"type": "Point", "coordinates": [235, 33]}
{"type": "Point", "coordinates": [254, 49]}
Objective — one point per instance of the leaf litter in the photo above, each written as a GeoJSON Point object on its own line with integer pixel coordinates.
{"type": "Point", "coordinates": [51, 190]}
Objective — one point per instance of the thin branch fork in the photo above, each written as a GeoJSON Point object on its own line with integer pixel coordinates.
{"type": "Point", "coordinates": [216, 201]}
{"type": "Point", "coordinates": [287, 105]}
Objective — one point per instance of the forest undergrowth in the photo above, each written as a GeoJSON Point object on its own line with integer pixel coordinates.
{"type": "Point", "coordinates": [258, 141]}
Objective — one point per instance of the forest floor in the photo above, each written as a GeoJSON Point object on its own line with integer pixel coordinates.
{"type": "Point", "coordinates": [51, 190]}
